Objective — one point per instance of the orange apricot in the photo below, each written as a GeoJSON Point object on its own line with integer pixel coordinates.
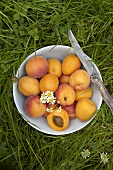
{"type": "Point", "coordinates": [70, 64]}
{"type": "Point", "coordinates": [79, 80]}
{"type": "Point", "coordinates": [55, 67]}
{"type": "Point", "coordinates": [49, 82]}
{"type": "Point", "coordinates": [85, 109]}
{"type": "Point", "coordinates": [85, 93]}
{"type": "Point", "coordinates": [33, 107]}
{"type": "Point", "coordinates": [70, 109]}
{"type": "Point", "coordinates": [58, 121]}
{"type": "Point", "coordinates": [64, 79]}
{"type": "Point", "coordinates": [36, 67]}
{"type": "Point", "coordinates": [65, 94]}
{"type": "Point", "coordinates": [28, 86]}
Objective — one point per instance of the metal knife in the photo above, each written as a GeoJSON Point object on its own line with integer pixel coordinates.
{"type": "Point", "coordinates": [89, 66]}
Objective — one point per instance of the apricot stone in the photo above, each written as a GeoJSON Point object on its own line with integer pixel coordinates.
{"type": "Point", "coordinates": [28, 86]}
{"type": "Point", "coordinates": [65, 94]}
{"type": "Point", "coordinates": [58, 121]}
{"type": "Point", "coordinates": [36, 67]}
{"type": "Point", "coordinates": [33, 107]}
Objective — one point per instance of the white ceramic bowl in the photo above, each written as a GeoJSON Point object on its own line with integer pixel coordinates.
{"type": "Point", "coordinates": [59, 52]}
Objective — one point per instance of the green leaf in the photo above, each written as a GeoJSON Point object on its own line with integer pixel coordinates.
{"type": "Point", "coordinates": [21, 33]}
{"type": "Point", "coordinates": [36, 37]}
{"type": "Point", "coordinates": [31, 32]}
{"type": "Point", "coordinates": [16, 16]}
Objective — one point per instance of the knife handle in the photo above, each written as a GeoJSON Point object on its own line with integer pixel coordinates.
{"type": "Point", "coordinates": [104, 92]}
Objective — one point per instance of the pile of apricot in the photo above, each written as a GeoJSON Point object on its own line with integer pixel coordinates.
{"type": "Point", "coordinates": [66, 85]}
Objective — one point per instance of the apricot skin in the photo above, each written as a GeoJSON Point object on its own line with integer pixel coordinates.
{"type": "Point", "coordinates": [55, 67]}
{"type": "Point", "coordinates": [70, 64]}
{"type": "Point", "coordinates": [64, 115]}
{"type": "Point", "coordinates": [28, 86]}
{"type": "Point", "coordinates": [79, 80]}
{"type": "Point", "coordinates": [64, 79]}
{"type": "Point", "coordinates": [70, 109]}
{"type": "Point", "coordinates": [85, 109]}
{"type": "Point", "coordinates": [86, 93]}
{"type": "Point", "coordinates": [36, 67]}
{"type": "Point", "coordinates": [65, 94]}
{"type": "Point", "coordinates": [33, 107]}
{"type": "Point", "coordinates": [49, 82]}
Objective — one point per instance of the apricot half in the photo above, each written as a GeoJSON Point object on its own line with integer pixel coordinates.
{"type": "Point", "coordinates": [58, 121]}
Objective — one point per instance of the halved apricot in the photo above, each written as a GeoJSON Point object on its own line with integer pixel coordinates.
{"type": "Point", "coordinates": [58, 121]}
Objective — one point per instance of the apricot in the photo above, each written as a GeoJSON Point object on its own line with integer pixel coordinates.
{"type": "Point", "coordinates": [46, 113]}
{"type": "Point", "coordinates": [70, 64]}
{"type": "Point", "coordinates": [58, 121]}
{"type": "Point", "coordinates": [55, 67]}
{"type": "Point", "coordinates": [86, 93]}
{"type": "Point", "coordinates": [49, 82]}
{"type": "Point", "coordinates": [70, 109]}
{"type": "Point", "coordinates": [79, 80]}
{"type": "Point", "coordinates": [33, 107]}
{"type": "Point", "coordinates": [65, 94]}
{"type": "Point", "coordinates": [64, 79]}
{"type": "Point", "coordinates": [85, 109]}
{"type": "Point", "coordinates": [36, 67]}
{"type": "Point", "coordinates": [28, 86]}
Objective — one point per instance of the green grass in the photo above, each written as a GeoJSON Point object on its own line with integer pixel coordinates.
{"type": "Point", "coordinates": [30, 25]}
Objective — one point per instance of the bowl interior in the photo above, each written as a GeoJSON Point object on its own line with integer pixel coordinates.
{"type": "Point", "coordinates": [59, 52]}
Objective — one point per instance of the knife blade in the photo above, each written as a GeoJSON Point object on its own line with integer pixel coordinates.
{"type": "Point", "coordinates": [90, 68]}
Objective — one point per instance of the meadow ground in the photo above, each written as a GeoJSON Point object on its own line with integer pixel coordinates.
{"type": "Point", "coordinates": [26, 26]}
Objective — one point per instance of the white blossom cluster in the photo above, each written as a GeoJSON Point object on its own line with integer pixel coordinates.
{"type": "Point", "coordinates": [48, 97]}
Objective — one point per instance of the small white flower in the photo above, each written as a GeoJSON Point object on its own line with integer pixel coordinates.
{"type": "Point", "coordinates": [104, 157]}
{"type": "Point", "coordinates": [48, 97]}
{"type": "Point", "coordinates": [49, 109]}
{"type": "Point", "coordinates": [43, 98]}
{"type": "Point", "coordinates": [59, 109]}
{"type": "Point", "coordinates": [51, 100]}
{"type": "Point", "coordinates": [49, 93]}
{"type": "Point", "coordinates": [43, 95]}
{"type": "Point", "coordinates": [85, 153]}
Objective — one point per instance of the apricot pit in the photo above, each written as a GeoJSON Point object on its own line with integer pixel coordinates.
{"type": "Point", "coordinates": [58, 121]}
